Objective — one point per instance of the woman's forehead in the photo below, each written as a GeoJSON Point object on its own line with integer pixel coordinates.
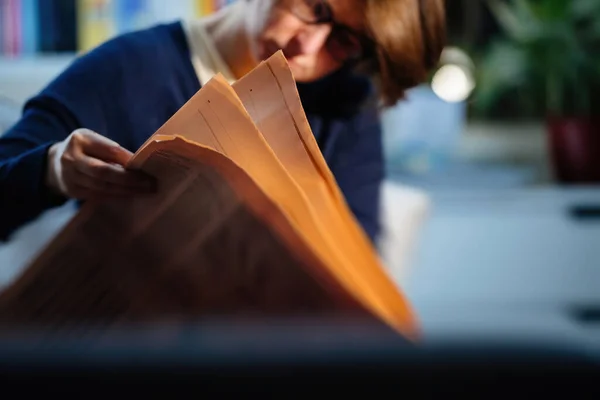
{"type": "Point", "coordinates": [350, 13]}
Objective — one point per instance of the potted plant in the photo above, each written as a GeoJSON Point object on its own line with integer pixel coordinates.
{"type": "Point", "coordinates": [546, 64]}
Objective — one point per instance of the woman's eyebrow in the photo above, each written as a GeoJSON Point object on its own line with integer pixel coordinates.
{"type": "Point", "coordinates": [356, 23]}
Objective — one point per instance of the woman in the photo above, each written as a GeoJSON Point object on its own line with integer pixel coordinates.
{"type": "Point", "coordinates": [76, 135]}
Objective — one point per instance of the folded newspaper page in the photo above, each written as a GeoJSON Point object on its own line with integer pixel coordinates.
{"type": "Point", "coordinates": [248, 221]}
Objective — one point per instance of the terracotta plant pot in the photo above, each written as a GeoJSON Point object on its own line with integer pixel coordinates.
{"type": "Point", "coordinates": [574, 145]}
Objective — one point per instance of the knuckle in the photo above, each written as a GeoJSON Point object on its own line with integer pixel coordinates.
{"type": "Point", "coordinates": [67, 158]}
{"type": "Point", "coordinates": [80, 136]}
{"type": "Point", "coordinates": [73, 142]}
{"type": "Point", "coordinates": [81, 132]}
{"type": "Point", "coordinates": [77, 135]}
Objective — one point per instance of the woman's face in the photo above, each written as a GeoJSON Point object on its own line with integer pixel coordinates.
{"type": "Point", "coordinates": [272, 25]}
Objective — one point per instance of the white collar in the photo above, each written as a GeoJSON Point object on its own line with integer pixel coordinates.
{"type": "Point", "coordinates": [206, 59]}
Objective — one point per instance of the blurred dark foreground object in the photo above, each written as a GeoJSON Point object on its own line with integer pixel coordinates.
{"type": "Point", "coordinates": [289, 358]}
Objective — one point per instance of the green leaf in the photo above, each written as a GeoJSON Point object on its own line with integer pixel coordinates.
{"type": "Point", "coordinates": [583, 9]}
{"type": "Point", "coordinates": [513, 23]}
{"type": "Point", "coordinates": [517, 19]}
{"type": "Point", "coordinates": [501, 70]}
{"type": "Point", "coordinates": [525, 11]}
{"type": "Point", "coordinates": [549, 55]}
{"type": "Point", "coordinates": [593, 33]}
{"type": "Point", "coordinates": [551, 10]}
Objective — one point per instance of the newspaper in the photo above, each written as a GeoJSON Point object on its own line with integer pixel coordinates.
{"type": "Point", "coordinates": [247, 221]}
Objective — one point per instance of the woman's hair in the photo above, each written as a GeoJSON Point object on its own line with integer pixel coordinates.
{"type": "Point", "coordinates": [410, 37]}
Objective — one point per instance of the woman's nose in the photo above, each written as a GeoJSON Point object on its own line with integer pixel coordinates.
{"type": "Point", "coordinates": [309, 40]}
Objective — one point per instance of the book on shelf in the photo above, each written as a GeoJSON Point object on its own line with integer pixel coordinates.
{"type": "Point", "coordinates": [99, 20]}
{"type": "Point", "coordinates": [248, 221]}
{"type": "Point", "coordinates": [11, 26]}
{"type": "Point", "coordinates": [29, 27]}
{"type": "Point", "coordinates": [96, 23]}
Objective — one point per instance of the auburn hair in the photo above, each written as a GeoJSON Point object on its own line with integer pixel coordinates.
{"type": "Point", "coordinates": [409, 37]}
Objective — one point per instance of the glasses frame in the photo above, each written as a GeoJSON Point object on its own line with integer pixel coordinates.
{"type": "Point", "coordinates": [367, 45]}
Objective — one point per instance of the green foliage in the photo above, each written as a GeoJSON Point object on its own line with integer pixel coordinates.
{"type": "Point", "coordinates": [547, 60]}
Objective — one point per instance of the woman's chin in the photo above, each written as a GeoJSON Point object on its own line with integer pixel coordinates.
{"type": "Point", "coordinates": [303, 73]}
{"type": "Point", "coordinates": [302, 69]}
{"type": "Point", "coordinates": [298, 72]}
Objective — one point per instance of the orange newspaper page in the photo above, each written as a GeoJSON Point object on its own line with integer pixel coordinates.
{"type": "Point", "coordinates": [270, 96]}
{"type": "Point", "coordinates": [210, 243]}
{"type": "Point", "coordinates": [215, 117]}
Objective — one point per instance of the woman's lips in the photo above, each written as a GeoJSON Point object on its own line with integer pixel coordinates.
{"type": "Point", "coordinates": [272, 48]}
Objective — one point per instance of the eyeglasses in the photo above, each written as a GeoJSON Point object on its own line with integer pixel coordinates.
{"type": "Point", "coordinates": [343, 43]}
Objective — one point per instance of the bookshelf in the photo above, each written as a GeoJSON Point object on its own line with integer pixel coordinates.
{"type": "Point", "coordinates": [39, 38]}
{"type": "Point", "coordinates": [33, 27]}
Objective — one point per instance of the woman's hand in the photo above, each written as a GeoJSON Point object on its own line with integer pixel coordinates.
{"type": "Point", "coordinates": [88, 165]}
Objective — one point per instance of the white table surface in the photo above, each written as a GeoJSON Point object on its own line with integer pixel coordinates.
{"type": "Point", "coordinates": [505, 262]}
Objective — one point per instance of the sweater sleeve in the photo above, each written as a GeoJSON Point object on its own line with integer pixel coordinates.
{"type": "Point", "coordinates": [123, 89]}
{"type": "Point", "coordinates": [358, 166]}
{"type": "Point", "coordinates": [76, 98]}
{"type": "Point", "coordinates": [23, 150]}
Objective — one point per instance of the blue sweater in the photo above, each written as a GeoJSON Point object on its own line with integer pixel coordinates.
{"type": "Point", "coordinates": [128, 87]}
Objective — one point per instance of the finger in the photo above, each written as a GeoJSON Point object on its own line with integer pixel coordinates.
{"type": "Point", "coordinates": [82, 192]}
{"type": "Point", "coordinates": [101, 147]}
{"type": "Point", "coordinates": [94, 187]}
{"type": "Point", "coordinates": [113, 174]}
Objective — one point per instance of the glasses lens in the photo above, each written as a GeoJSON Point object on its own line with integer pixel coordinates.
{"type": "Point", "coordinates": [320, 10]}
{"type": "Point", "coordinates": [312, 11]}
{"type": "Point", "coordinates": [344, 45]}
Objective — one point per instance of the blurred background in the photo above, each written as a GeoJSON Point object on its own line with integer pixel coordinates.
{"type": "Point", "coordinates": [491, 205]}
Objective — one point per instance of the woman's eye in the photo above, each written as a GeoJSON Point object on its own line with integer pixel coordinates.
{"type": "Point", "coordinates": [320, 10]}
